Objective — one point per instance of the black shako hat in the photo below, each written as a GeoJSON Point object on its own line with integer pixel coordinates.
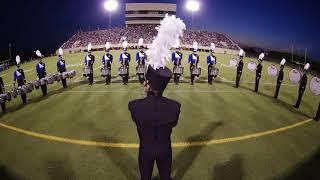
{"type": "Point", "coordinates": [158, 79]}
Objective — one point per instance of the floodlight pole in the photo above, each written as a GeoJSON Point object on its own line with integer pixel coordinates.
{"type": "Point", "coordinates": [192, 20]}
{"type": "Point", "coordinates": [9, 51]}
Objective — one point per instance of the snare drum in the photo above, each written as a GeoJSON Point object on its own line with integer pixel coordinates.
{"type": "Point", "coordinates": [141, 69]}
{"type": "Point", "coordinates": [196, 71]}
{"type": "Point", "coordinates": [178, 70]}
{"type": "Point", "coordinates": [105, 71]}
{"type": "Point", "coordinates": [123, 70]}
{"type": "Point", "coordinates": [214, 71]}
{"type": "Point", "coordinates": [87, 70]}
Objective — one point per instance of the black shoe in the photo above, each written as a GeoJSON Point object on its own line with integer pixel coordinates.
{"type": "Point", "coordinates": [316, 119]}
{"type": "Point", "coordinates": [295, 106]}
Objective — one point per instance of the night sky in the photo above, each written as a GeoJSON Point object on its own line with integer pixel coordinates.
{"type": "Point", "coordinates": [45, 25]}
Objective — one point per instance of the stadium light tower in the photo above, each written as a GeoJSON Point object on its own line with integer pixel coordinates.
{"type": "Point", "coordinates": [193, 6]}
{"type": "Point", "coordinates": [110, 6]}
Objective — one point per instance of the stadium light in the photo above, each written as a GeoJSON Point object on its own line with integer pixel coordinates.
{"type": "Point", "coordinates": [193, 6]}
{"type": "Point", "coordinates": [110, 6]}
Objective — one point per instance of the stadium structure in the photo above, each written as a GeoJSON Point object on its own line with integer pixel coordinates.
{"type": "Point", "coordinates": [141, 20]}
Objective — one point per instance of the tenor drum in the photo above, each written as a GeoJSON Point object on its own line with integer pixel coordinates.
{"type": "Point", "coordinates": [196, 71]}
{"type": "Point", "coordinates": [14, 93]}
{"type": "Point", "coordinates": [2, 98]}
{"type": "Point", "coordinates": [233, 63]}
{"type": "Point", "coordinates": [50, 79]}
{"type": "Point", "coordinates": [36, 83]}
{"type": "Point", "coordinates": [72, 73]}
{"type": "Point", "coordinates": [8, 96]}
{"type": "Point", "coordinates": [315, 86]}
{"type": "Point", "coordinates": [272, 70]}
{"type": "Point", "coordinates": [178, 70]}
{"type": "Point", "coordinates": [56, 77]}
{"type": "Point", "coordinates": [252, 66]}
{"type": "Point", "coordinates": [294, 76]}
{"type": "Point", "coordinates": [30, 87]}
{"type": "Point", "coordinates": [43, 81]}
{"type": "Point", "coordinates": [141, 69]}
{"type": "Point", "coordinates": [105, 71]}
{"type": "Point", "coordinates": [123, 70]}
{"type": "Point", "coordinates": [63, 75]}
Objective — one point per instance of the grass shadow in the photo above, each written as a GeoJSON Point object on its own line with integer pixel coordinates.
{"type": "Point", "coordinates": [229, 170]}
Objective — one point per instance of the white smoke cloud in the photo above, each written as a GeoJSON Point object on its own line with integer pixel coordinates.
{"type": "Point", "coordinates": [169, 30]}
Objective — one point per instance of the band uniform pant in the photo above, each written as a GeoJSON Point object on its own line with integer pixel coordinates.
{"type": "Point", "coordinates": [301, 91]}
{"type": "Point", "coordinates": [3, 107]}
{"type": "Point", "coordinates": [44, 89]}
{"type": "Point", "coordinates": [257, 83]}
{"type": "Point", "coordinates": [23, 96]}
{"type": "Point", "coordinates": [146, 163]}
{"type": "Point", "coordinates": [239, 73]}
{"type": "Point", "coordinates": [125, 78]}
{"type": "Point", "coordinates": [192, 75]}
{"type": "Point", "coordinates": [210, 77]}
{"type": "Point", "coordinates": [64, 82]}
{"type": "Point", "coordinates": [318, 114]}
{"type": "Point", "coordinates": [277, 89]}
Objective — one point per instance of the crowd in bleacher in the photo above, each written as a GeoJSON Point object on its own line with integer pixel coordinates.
{"type": "Point", "coordinates": [147, 32]}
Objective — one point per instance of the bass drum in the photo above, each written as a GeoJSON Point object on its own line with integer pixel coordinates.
{"type": "Point", "coordinates": [233, 63]}
{"type": "Point", "coordinates": [252, 66]}
{"type": "Point", "coordinates": [272, 70]}
{"type": "Point", "coordinates": [315, 86]}
{"type": "Point", "coordinates": [294, 76]}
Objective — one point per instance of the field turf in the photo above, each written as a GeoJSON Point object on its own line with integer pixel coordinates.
{"type": "Point", "coordinates": [99, 114]}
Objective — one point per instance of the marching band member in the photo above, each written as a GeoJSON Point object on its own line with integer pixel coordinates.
{"type": "Point", "coordinates": [258, 72]}
{"type": "Point", "coordinates": [124, 59]}
{"type": "Point", "coordinates": [107, 61]}
{"type": "Point", "coordinates": [280, 78]}
{"type": "Point", "coordinates": [89, 61]}
{"type": "Point", "coordinates": [61, 67]}
{"type": "Point", "coordinates": [3, 105]}
{"type": "Point", "coordinates": [140, 60]}
{"type": "Point", "coordinates": [176, 58]}
{"type": "Point", "coordinates": [318, 114]}
{"type": "Point", "coordinates": [18, 77]}
{"type": "Point", "coordinates": [193, 60]}
{"type": "Point", "coordinates": [239, 67]}
{"type": "Point", "coordinates": [41, 72]}
{"type": "Point", "coordinates": [303, 83]}
{"type": "Point", "coordinates": [211, 61]}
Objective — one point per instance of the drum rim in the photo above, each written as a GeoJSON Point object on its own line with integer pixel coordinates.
{"type": "Point", "coordinates": [310, 85]}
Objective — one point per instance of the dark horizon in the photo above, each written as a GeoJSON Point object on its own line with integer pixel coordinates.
{"type": "Point", "coordinates": [46, 25]}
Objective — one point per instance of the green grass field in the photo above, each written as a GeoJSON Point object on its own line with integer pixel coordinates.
{"type": "Point", "coordinates": [99, 114]}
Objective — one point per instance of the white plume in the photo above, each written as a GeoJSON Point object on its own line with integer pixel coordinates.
{"type": "Point", "coordinates": [241, 52]}
{"type": "Point", "coordinates": [213, 47]}
{"type": "Point", "coordinates": [177, 44]}
{"type": "Point", "coordinates": [18, 60]}
{"type": "Point", "coordinates": [307, 66]}
{"type": "Point", "coordinates": [60, 51]}
{"type": "Point", "coordinates": [140, 43]}
{"type": "Point", "coordinates": [195, 46]}
{"type": "Point", "coordinates": [108, 45]}
{"type": "Point", "coordinates": [169, 30]}
{"type": "Point", "coordinates": [125, 44]}
{"type": "Point", "coordinates": [283, 61]}
{"type": "Point", "coordinates": [89, 47]}
{"type": "Point", "coordinates": [261, 56]}
{"type": "Point", "coordinates": [38, 53]}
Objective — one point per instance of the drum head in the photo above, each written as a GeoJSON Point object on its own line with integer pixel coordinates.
{"type": "Point", "coordinates": [315, 86]}
{"type": "Point", "coordinates": [233, 63]}
{"type": "Point", "coordinates": [272, 70]}
{"type": "Point", "coordinates": [294, 76]}
{"type": "Point", "coordinates": [252, 66]}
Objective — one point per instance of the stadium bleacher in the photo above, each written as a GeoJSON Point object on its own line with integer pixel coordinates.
{"type": "Point", "coordinates": [147, 32]}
